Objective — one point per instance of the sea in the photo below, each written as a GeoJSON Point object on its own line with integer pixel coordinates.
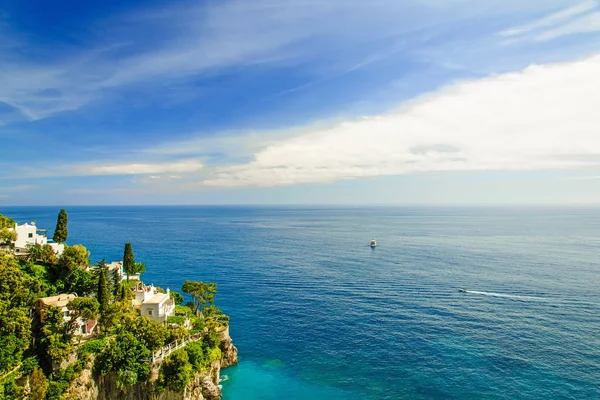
{"type": "Point", "coordinates": [318, 314]}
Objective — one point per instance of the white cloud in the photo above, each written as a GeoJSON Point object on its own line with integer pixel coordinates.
{"type": "Point", "coordinates": [207, 39]}
{"type": "Point", "coordinates": [544, 117]}
{"type": "Point", "coordinates": [123, 168]}
{"type": "Point", "coordinates": [552, 19]}
{"type": "Point", "coordinates": [587, 23]}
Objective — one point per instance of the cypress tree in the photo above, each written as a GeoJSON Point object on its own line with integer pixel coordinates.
{"type": "Point", "coordinates": [115, 277]}
{"type": "Point", "coordinates": [103, 292]}
{"type": "Point", "coordinates": [61, 233]}
{"type": "Point", "coordinates": [128, 260]}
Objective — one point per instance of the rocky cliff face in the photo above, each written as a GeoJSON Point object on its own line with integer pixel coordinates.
{"type": "Point", "coordinates": [228, 351]}
{"type": "Point", "coordinates": [204, 386]}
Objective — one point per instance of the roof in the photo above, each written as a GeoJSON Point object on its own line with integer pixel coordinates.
{"type": "Point", "coordinates": [58, 301]}
{"type": "Point", "coordinates": [157, 298]}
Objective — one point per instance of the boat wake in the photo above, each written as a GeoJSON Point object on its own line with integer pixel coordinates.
{"type": "Point", "coordinates": [506, 296]}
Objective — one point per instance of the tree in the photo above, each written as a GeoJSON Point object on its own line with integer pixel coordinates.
{"type": "Point", "coordinates": [56, 345]}
{"type": "Point", "coordinates": [177, 297]}
{"type": "Point", "coordinates": [81, 307]}
{"type": "Point", "coordinates": [203, 293]}
{"type": "Point", "coordinates": [152, 333]}
{"type": "Point", "coordinates": [81, 282]}
{"type": "Point", "coordinates": [124, 357]}
{"type": "Point", "coordinates": [6, 236]}
{"type": "Point", "coordinates": [39, 385]}
{"type": "Point", "coordinates": [115, 278]}
{"type": "Point", "coordinates": [128, 260]}
{"type": "Point", "coordinates": [102, 291]}
{"type": "Point", "coordinates": [61, 233]}
{"type": "Point", "coordinates": [72, 258]}
{"type": "Point", "coordinates": [176, 371]}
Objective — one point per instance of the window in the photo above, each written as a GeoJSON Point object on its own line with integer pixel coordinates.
{"type": "Point", "coordinates": [66, 314]}
{"type": "Point", "coordinates": [30, 235]}
{"type": "Point", "coordinates": [83, 329]}
{"type": "Point", "coordinates": [150, 312]}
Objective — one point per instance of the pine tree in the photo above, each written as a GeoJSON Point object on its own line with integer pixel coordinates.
{"type": "Point", "coordinates": [61, 233]}
{"type": "Point", "coordinates": [103, 292]}
{"type": "Point", "coordinates": [128, 260]}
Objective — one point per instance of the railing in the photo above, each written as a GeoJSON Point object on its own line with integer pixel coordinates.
{"type": "Point", "coordinates": [160, 354]}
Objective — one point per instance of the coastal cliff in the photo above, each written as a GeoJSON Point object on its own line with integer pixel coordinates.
{"type": "Point", "coordinates": [202, 386]}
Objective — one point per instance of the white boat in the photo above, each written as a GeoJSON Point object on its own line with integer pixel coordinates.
{"type": "Point", "coordinates": [373, 243]}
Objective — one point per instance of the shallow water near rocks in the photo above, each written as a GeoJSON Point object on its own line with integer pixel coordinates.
{"type": "Point", "coordinates": [317, 314]}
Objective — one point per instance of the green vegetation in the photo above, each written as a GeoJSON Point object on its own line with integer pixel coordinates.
{"type": "Point", "coordinates": [129, 265]}
{"type": "Point", "coordinates": [61, 233]}
{"type": "Point", "coordinates": [6, 236]}
{"type": "Point", "coordinates": [203, 294]}
{"type": "Point", "coordinates": [35, 346]}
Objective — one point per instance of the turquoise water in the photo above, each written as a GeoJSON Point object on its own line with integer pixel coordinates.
{"type": "Point", "coordinates": [317, 314]}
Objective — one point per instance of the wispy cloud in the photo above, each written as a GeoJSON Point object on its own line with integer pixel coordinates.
{"type": "Point", "coordinates": [544, 117]}
{"type": "Point", "coordinates": [16, 188]}
{"type": "Point", "coordinates": [585, 24]}
{"type": "Point", "coordinates": [116, 169]}
{"type": "Point", "coordinates": [552, 19]}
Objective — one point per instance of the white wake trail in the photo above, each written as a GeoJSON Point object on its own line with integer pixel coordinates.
{"type": "Point", "coordinates": [506, 296]}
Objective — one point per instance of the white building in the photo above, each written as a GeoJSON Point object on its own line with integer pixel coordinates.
{"type": "Point", "coordinates": [84, 327]}
{"type": "Point", "coordinates": [29, 234]}
{"type": "Point", "coordinates": [152, 304]}
{"type": "Point", "coordinates": [118, 266]}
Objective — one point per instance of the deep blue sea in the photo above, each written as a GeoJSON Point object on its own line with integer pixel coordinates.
{"type": "Point", "coordinates": [317, 314]}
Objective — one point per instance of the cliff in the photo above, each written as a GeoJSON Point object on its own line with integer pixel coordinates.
{"type": "Point", "coordinates": [203, 386]}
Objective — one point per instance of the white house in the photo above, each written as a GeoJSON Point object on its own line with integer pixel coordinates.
{"type": "Point", "coordinates": [149, 302]}
{"type": "Point", "coordinates": [29, 234]}
{"type": "Point", "coordinates": [84, 328]}
{"type": "Point", "coordinates": [118, 266]}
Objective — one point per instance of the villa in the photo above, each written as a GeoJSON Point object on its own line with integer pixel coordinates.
{"type": "Point", "coordinates": [85, 327]}
{"type": "Point", "coordinates": [149, 302]}
{"type": "Point", "coordinates": [118, 266]}
{"type": "Point", "coordinates": [29, 234]}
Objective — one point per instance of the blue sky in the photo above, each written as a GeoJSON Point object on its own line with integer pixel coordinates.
{"type": "Point", "coordinates": [300, 101]}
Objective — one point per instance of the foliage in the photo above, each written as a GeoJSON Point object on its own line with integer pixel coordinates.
{"type": "Point", "coordinates": [177, 333]}
{"type": "Point", "coordinates": [80, 308]}
{"type": "Point", "coordinates": [39, 385]}
{"type": "Point", "coordinates": [72, 258]}
{"type": "Point", "coordinates": [7, 236]}
{"type": "Point", "coordinates": [176, 371]}
{"type": "Point", "coordinates": [61, 233]}
{"type": "Point", "coordinates": [6, 222]}
{"type": "Point", "coordinates": [60, 382]}
{"type": "Point", "coordinates": [176, 319]}
{"type": "Point", "coordinates": [44, 254]}
{"type": "Point", "coordinates": [198, 324]}
{"type": "Point", "coordinates": [81, 282]}
{"type": "Point", "coordinates": [177, 297]}
{"type": "Point", "coordinates": [18, 292]}
{"type": "Point", "coordinates": [214, 317]}
{"type": "Point", "coordinates": [94, 346]}
{"type": "Point", "coordinates": [103, 290]}
{"type": "Point", "coordinates": [115, 280]}
{"type": "Point", "coordinates": [55, 340]}
{"type": "Point", "coordinates": [128, 260]}
{"type": "Point", "coordinates": [196, 355]}
{"type": "Point", "coordinates": [202, 353]}
{"type": "Point", "coordinates": [152, 333]}
{"type": "Point", "coordinates": [182, 310]}
{"type": "Point", "coordinates": [125, 356]}
{"type": "Point", "coordinates": [203, 293]}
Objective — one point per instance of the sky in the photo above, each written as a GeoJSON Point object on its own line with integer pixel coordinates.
{"type": "Point", "coordinates": [299, 102]}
